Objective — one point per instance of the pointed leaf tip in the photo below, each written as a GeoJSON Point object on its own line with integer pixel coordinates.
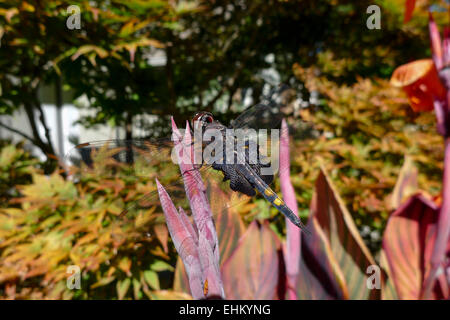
{"type": "Point", "coordinates": [174, 125]}
{"type": "Point", "coordinates": [409, 9]}
{"type": "Point", "coordinates": [436, 43]}
{"type": "Point", "coordinates": [187, 134]}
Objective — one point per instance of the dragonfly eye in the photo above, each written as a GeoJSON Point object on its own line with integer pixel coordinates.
{"type": "Point", "coordinates": [207, 118]}
{"type": "Point", "coordinates": [202, 118]}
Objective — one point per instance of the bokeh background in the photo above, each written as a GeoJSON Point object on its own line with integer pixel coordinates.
{"type": "Point", "coordinates": [132, 64]}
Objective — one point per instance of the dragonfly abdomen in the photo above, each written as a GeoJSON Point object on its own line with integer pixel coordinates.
{"type": "Point", "coordinates": [270, 195]}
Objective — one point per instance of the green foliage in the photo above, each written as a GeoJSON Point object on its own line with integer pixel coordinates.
{"type": "Point", "coordinates": [362, 134]}
{"type": "Point", "coordinates": [60, 223]}
{"type": "Point", "coordinates": [215, 50]}
{"type": "Point", "coordinates": [15, 169]}
{"type": "Point", "coordinates": [360, 129]}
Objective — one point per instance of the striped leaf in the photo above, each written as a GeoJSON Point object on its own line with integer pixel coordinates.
{"type": "Point", "coordinates": [347, 252]}
{"type": "Point", "coordinates": [408, 242]}
{"type": "Point", "coordinates": [251, 272]}
{"type": "Point", "coordinates": [229, 224]}
{"type": "Point", "coordinates": [388, 289]}
{"type": "Point", "coordinates": [317, 279]}
{"type": "Point", "coordinates": [406, 184]}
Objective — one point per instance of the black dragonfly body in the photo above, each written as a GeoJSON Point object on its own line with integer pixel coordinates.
{"type": "Point", "coordinates": [244, 175]}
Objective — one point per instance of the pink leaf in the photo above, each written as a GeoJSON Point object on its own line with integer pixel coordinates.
{"type": "Point", "coordinates": [317, 279]}
{"type": "Point", "coordinates": [208, 244]}
{"type": "Point", "coordinates": [293, 240]}
{"type": "Point", "coordinates": [446, 46]}
{"type": "Point", "coordinates": [442, 230]}
{"type": "Point", "coordinates": [187, 223]}
{"type": "Point", "coordinates": [229, 227]}
{"type": "Point", "coordinates": [195, 190]}
{"type": "Point", "coordinates": [406, 184]}
{"type": "Point", "coordinates": [184, 242]}
{"type": "Point", "coordinates": [436, 44]}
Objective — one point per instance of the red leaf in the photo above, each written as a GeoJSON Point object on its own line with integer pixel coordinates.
{"type": "Point", "coordinates": [408, 241]}
{"type": "Point", "coordinates": [252, 270]}
{"type": "Point", "coordinates": [409, 9]}
{"type": "Point", "coordinates": [317, 279]}
{"type": "Point", "coordinates": [229, 224]}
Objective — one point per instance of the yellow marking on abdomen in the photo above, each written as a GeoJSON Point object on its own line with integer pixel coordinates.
{"type": "Point", "coordinates": [268, 192]}
{"type": "Point", "coordinates": [278, 202]}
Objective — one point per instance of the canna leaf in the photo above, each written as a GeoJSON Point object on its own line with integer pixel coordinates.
{"type": "Point", "coordinates": [293, 239]}
{"type": "Point", "coordinates": [406, 184]}
{"type": "Point", "coordinates": [184, 243]}
{"type": "Point", "coordinates": [388, 289]}
{"type": "Point", "coordinates": [407, 242]}
{"type": "Point", "coordinates": [436, 43]}
{"type": "Point", "coordinates": [346, 247]}
{"type": "Point", "coordinates": [195, 189]}
{"type": "Point", "coordinates": [317, 279]}
{"type": "Point", "coordinates": [251, 272]}
{"type": "Point", "coordinates": [208, 244]}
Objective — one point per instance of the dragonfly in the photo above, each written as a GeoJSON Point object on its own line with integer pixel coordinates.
{"type": "Point", "coordinates": [243, 166]}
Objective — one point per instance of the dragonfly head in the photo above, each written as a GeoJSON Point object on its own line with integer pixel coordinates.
{"type": "Point", "coordinates": [201, 120]}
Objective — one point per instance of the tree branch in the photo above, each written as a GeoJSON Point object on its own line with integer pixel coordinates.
{"type": "Point", "coordinates": [18, 132]}
{"type": "Point", "coordinates": [43, 122]}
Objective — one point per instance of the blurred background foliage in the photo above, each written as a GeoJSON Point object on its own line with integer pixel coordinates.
{"type": "Point", "coordinates": [217, 54]}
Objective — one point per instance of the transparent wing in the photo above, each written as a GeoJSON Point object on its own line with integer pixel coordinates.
{"type": "Point", "coordinates": [267, 114]}
{"type": "Point", "coordinates": [109, 157]}
{"type": "Point", "coordinates": [134, 165]}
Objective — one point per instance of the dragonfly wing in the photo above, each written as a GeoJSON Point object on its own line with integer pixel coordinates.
{"type": "Point", "coordinates": [176, 190]}
{"type": "Point", "coordinates": [140, 162]}
{"type": "Point", "coordinates": [267, 114]}
{"type": "Point", "coordinates": [109, 157]}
